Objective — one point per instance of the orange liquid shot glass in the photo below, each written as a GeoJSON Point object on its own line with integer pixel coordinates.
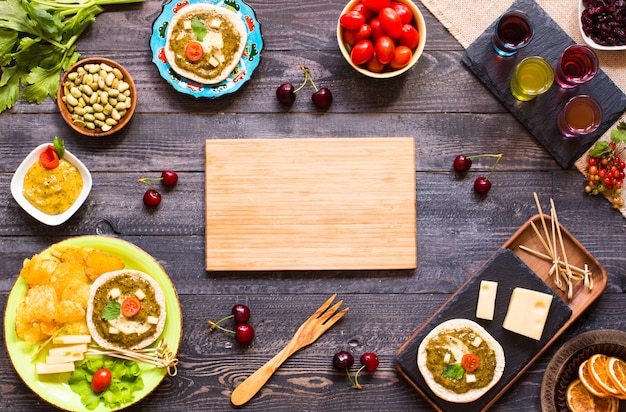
{"type": "Point", "coordinates": [580, 116]}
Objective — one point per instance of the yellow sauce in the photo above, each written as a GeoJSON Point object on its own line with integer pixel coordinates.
{"type": "Point", "coordinates": [52, 191]}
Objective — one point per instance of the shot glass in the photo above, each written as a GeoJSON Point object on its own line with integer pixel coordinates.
{"type": "Point", "coordinates": [577, 65]}
{"type": "Point", "coordinates": [513, 30]}
{"type": "Point", "coordinates": [533, 76]}
{"type": "Point", "coordinates": [580, 116]}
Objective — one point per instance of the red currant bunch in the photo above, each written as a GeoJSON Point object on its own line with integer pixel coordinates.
{"type": "Point", "coordinates": [605, 172]}
{"type": "Point", "coordinates": [244, 333]}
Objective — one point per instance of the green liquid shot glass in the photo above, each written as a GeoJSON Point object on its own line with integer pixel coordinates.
{"type": "Point", "coordinates": [533, 76]}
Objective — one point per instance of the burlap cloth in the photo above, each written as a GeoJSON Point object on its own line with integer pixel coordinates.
{"type": "Point", "coordinates": [467, 20]}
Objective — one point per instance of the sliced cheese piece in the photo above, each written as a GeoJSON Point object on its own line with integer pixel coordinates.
{"type": "Point", "coordinates": [45, 368]}
{"type": "Point", "coordinates": [486, 305]}
{"type": "Point", "coordinates": [71, 339]}
{"type": "Point", "coordinates": [114, 293]}
{"type": "Point", "coordinates": [447, 357]}
{"type": "Point", "coordinates": [65, 359]}
{"type": "Point", "coordinates": [470, 378]}
{"type": "Point", "coordinates": [68, 350]}
{"type": "Point", "coordinates": [477, 341]}
{"type": "Point", "coordinates": [527, 313]}
{"type": "Point", "coordinates": [139, 294]}
{"type": "Point", "coordinates": [152, 320]}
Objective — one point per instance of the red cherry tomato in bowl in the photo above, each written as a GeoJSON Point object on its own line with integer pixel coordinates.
{"type": "Point", "coordinates": [410, 37]}
{"type": "Point", "coordinates": [401, 57]}
{"type": "Point", "coordinates": [351, 20]}
{"type": "Point", "coordinates": [403, 11]}
{"type": "Point", "coordinates": [374, 65]}
{"type": "Point", "coordinates": [390, 22]}
{"type": "Point", "coordinates": [376, 5]}
{"type": "Point", "coordinates": [194, 51]}
{"type": "Point", "coordinates": [131, 306]}
{"type": "Point", "coordinates": [377, 29]}
{"type": "Point", "coordinates": [384, 49]}
{"type": "Point", "coordinates": [361, 52]}
{"type": "Point", "coordinates": [101, 380]}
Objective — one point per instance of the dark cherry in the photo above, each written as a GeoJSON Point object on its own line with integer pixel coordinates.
{"type": "Point", "coordinates": [169, 177]}
{"type": "Point", "coordinates": [322, 98]}
{"type": "Point", "coordinates": [482, 185]}
{"type": "Point", "coordinates": [343, 360]}
{"type": "Point", "coordinates": [369, 360]}
{"type": "Point", "coordinates": [152, 198]}
{"type": "Point", "coordinates": [286, 93]}
{"type": "Point", "coordinates": [241, 313]}
{"type": "Point", "coordinates": [244, 333]}
{"type": "Point", "coordinates": [462, 163]}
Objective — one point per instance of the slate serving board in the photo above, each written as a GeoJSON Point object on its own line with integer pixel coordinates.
{"type": "Point", "coordinates": [510, 272]}
{"type": "Point", "coordinates": [539, 115]}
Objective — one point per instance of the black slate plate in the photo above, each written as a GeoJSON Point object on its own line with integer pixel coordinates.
{"type": "Point", "coordinates": [510, 272]}
{"type": "Point", "coordinates": [539, 115]}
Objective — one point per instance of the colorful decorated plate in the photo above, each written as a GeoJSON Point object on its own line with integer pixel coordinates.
{"type": "Point", "coordinates": [242, 73]}
{"type": "Point", "coordinates": [54, 388]}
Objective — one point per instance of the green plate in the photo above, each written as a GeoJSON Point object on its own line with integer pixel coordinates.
{"type": "Point", "coordinates": [54, 388]}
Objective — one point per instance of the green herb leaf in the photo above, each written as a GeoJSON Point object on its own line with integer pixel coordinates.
{"type": "Point", "coordinates": [59, 146]}
{"type": "Point", "coordinates": [453, 371]}
{"type": "Point", "coordinates": [111, 311]}
{"type": "Point", "coordinates": [199, 28]}
{"type": "Point", "coordinates": [619, 135]}
{"type": "Point", "coordinates": [600, 149]}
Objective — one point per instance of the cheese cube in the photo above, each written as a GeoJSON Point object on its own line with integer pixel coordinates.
{"type": "Point", "coordinates": [44, 368]}
{"type": "Point", "coordinates": [470, 378]}
{"type": "Point", "coordinates": [477, 341]}
{"type": "Point", "coordinates": [152, 320]}
{"type": "Point", "coordinates": [68, 350]}
{"type": "Point", "coordinates": [527, 313]}
{"type": "Point", "coordinates": [486, 299]}
{"type": "Point", "coordinates": [139, 294]}
{"type": "Point", "coordinates": [114, 293]}
{"type": "Point", "coordinates": [71, 339]}
{"type": "Point", "coordinates": [446, 357]}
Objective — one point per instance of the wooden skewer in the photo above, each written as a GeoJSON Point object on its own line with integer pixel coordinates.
{"type": "Point", "coordinates": [543, 242]}
{"type": "Point", "coordinates": [558, 227]}
{"type": "Point", "coordinates": [549, 259]}
{"type": "Point", "coordinates": [543, 221]}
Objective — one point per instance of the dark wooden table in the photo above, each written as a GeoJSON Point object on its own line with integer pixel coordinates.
{"type": "Point", "coordinates": [439, 102]}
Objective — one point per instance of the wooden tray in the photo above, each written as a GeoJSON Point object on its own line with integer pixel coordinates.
{"type": "Point", "coordinates": [310, 204]}
{"type": "Point", "coordinates": [520, 352]}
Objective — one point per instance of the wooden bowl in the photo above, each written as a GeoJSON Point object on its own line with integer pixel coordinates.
{"type": "Point", "coordinates": [418, 22]}
{"type": "Point", "coordinates": [120, 109]}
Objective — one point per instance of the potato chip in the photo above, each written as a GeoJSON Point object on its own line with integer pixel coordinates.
{"type": "Point", "coordinates": [76, 328]}
{"type": "Point", "coordinates": [38, 270]}
{"type": "Point", "coordinates": [40, 304]}
{"type": "Point", "coordinates": [98, 262]}
{"type": "Point", "coordinates": [66, 273]}
{"type": "Point", "coordinates": [73, 254]}
{"type": "Point", "coordinates": [68, 311]}
{"type": "Point", "coordinates": [77, 292]}
{"type": "Point", "coordinates": [33, 334]}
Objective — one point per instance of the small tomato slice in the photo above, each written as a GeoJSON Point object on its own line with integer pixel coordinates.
{"type": "Point", "coordinates": [361, 52]}
{"type": "Point", "coordinates": [401, 57]}
{"type": "Point", "coordinates": [470, 362]}
{"type": "Point", "coordinates": [101, 380]}
{"type": "Point", "coordinates": [403, 11]}
{"type": "Point", "coordinates": [391, 23]}
{"type": "Point", "coordinates": [49, 158]}
{"type": "Point", "coordinates": [131, 306]}
{"type": "Point", "coordinates": [351, 20]}
{"type": "Point", "coordinates": [410, 37]}
{"type": "Point", "coordinates": [384, 49]}
{"type": "Point", "coordinates": [194, 51]}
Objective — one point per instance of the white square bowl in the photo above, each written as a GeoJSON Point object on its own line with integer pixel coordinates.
{"type": "Point", "coordinates": [587, 39]}
{"type": "Point", "coordinates": [17, 186]}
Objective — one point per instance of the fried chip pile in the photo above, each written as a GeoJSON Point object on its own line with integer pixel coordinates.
{"type": "Point", "coordinates": [58, 291]}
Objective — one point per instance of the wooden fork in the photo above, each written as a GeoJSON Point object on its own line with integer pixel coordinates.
{"type": "Point", "coordinates": [309, 331]}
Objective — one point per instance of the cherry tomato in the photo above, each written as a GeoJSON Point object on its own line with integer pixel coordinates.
{"type": "Point", "coordinates": [410, 37]}
{"type": "Point", "coordinates": [194, 51]}
{"type": "Point", "coordinates": [374, 65]}
{"type": "Point", "coordinates": [361, 52]}
{"type": "Point", "coordinates": [384, 49]}
{"type": "Point", "coordinates": [49, 158]}
{"type": "Point", "coordinates": [376, 5]}
{"type": "Point", "coordinates": [367, 13]}
{"type": "Point", "coordinates": [470, 362]}
{"type": "Point", "coordinates": [131, 306]}
{"type": "Point", "coordinates": [401, 57]}
{"type": "Point", "coordinates": [354, 36]}
{"type": "Point", "coordinates": [351, 20]}
{"type": "Point", "coordinates": [391, 23]}
{"type": "Point", "coordinates": [403, 11]}
{"type": "Point", "coordinates": [377, 29]}
{"type": "Point", "coordinates": [101, 380]}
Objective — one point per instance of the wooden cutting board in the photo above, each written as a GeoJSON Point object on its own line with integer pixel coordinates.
{"type": "Point", "coordinates": [310, 204]}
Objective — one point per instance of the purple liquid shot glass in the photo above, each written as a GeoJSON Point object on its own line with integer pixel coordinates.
{"type": "Point", "coordinates": [513, 31]}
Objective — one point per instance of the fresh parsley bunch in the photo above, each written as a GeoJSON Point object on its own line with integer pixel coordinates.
{"type": "Point", "coordinates": [38, 41]}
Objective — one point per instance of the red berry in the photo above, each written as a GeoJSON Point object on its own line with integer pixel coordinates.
{"type": "Point", "coordinates": [151, 198]}
{"type": "Point", "coordinates": [343, 360]}
{"type": "Point", "coordinates": [322, 98]}
{"type": "Point", "coordinates": [244, 333]}
{"type": "Point", "coordinates": [462, 163]}
{"type": "Point", "coordinates": [169, 177]}
{"type": "Point", "coordinates": [241, 313]}
{"type": "Point", "coordinates": [369, 360]}
{"type": "Point", "coordinates": [482, 185]}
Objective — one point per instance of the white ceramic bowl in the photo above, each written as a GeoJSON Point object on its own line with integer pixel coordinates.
{"type": "Point", "coordinates": [17, 185]}
{"type": "Point", "coordinates": [418, 22]}
{"type": "Point", "coordinates": [588, 40]}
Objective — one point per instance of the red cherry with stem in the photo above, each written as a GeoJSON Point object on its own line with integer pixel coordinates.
{"type": "Point", "coordinates": [285, 93]}
{"type": "Point", "coordinates": [244, 333]}
{"type": "Point", "coordinates": [369, 362]}
{"type": "Point", "coordinates": [482, 185]}
{"type": "Point", "coordinates": [322, 98]}
{"type": "Point", "coordinates": [462, 163]}
{"type": "Point", "coordinates": [169, 177]}
{"type": "Point", "coordinates": [343, 360]}
{"type": "Point", "coordinates": [151, 198]}
{"type": "Point", "coordinates": [241, 313]}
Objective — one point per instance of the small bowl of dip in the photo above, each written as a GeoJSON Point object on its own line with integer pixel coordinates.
{"type": "Point", "coordinates": [51, 196]}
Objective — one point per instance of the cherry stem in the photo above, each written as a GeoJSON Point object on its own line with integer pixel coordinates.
{"type": "Point", "coordinates": [307, 75]}
{"type": "Point", "coordinates": [493, 169]}
{"type": "Point", "coordinates": [349, 377]}
{"type": "Point", "coordinates": [216, 325]}
{"type": "Point", "coordinates": [499, 155]}
{"type": "Point", "coordinates": [357, 385]}
{"type": "Point", "coordinates": [147, 180]}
